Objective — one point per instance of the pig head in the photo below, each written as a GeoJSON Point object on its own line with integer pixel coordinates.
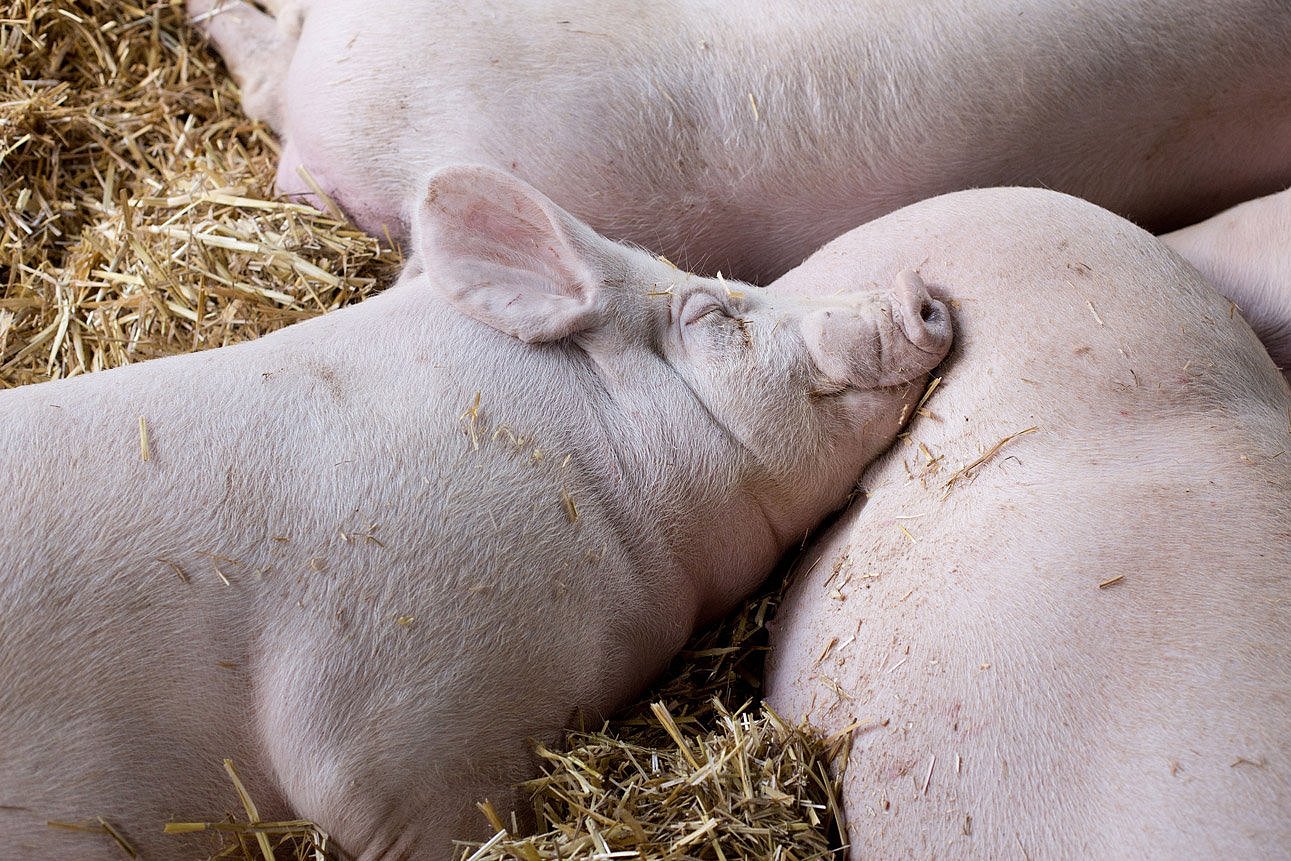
{"type": "Point", "coordinates": [790, 395]}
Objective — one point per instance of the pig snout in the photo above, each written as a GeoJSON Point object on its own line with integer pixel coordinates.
{"type": "Point", "coordinates": [880, 342]}
{"type": "Point", "coordinates": [924, 321]}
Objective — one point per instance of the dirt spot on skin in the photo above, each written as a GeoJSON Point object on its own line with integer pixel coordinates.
{"type": "Point", "coordinates": [330, 380]}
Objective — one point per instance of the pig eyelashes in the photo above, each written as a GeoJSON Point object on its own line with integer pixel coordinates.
{"type": "Point", "coordinates": [703, 306]}
{"type": "Point", "coordinates": [706, 312]}
{"type": "Point", "coordinates": [698, 306]}
{"type": "Point", "coordinates": [732, 336]}
{"type": "Point", "coordinates": [823, 389]}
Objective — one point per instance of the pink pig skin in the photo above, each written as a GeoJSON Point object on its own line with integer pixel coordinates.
{"type": "Point", "coordinates": [739, 136]}
{"type": "Point", "coordinates": [1246, 253]}
{"type": "Point", "coordinates": [370, 556]}
{"type": "Point", "coordinates": [1080, 648]}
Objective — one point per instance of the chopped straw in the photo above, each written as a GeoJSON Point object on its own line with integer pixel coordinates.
{"type": "Point", "coordinates": [684, 774]}
{"type": "Point", "coordinates": [139, 221]}
{"type": "Point", "coordinates": [145, 450]}
{"type": "Point", "coordinates": [966, 471]}
{"type": "Point", "coordinates": [751, 787]}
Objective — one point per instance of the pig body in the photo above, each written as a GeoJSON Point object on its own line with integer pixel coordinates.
{"type": "Point", "coordinates": [370, 556]}
{"type": "Point", "coordinates": [1245, 252]}
{"type": "Point", "coordinates": [741, 137]}
{"type": "Point", "coordinates": [1057, 625]}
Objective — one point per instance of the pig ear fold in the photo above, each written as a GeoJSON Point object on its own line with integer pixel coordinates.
{"type": "Point", "coordinates": [507, 256]}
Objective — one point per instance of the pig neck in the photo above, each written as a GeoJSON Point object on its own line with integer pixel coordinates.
{"type": "Point", "coordinates": [609, 440]}
{"type": "Point", "coordinates": [650, 472]}
{"type": "Point", "coordinates": [664, 456]}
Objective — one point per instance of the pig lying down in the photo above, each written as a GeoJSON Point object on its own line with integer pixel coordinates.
{"type": "Point", "coordinates": [370, 556]}
{"type": "Point", "coordinates": [742, 136]}
{"type": "Point", "coordinates": [1059, 626]}
{"type": "Point", "coordinates": [1246, 252]}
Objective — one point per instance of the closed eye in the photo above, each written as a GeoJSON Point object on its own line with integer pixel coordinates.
{"type": "Point", "coordinates": [699, 307]}
{"type": "Point", "coordinates": [825, 389]}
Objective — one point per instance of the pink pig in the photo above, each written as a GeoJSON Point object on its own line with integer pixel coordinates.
{"type": "Point", "coordinates": [1245, 252]}
{"type": "Point", "coordinates": [1058, 624]}
{"type": "Point", "coordinates": [370, 556]}
{"type": "Point", "coordinates": [741, 136]}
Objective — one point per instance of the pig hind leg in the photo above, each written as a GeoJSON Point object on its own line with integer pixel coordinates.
{"type": "Point", "coordinates": [257, 49]}
{"type": "Point", "coordinates": [397, 807]}
{"type": "Point", "coordinates": [1245, 252]}
{"type": "Point", "coordinates": [385, 782]}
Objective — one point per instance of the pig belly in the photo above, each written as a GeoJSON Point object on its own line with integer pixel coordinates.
{"type": "Point", "coordinates": [302, 180]}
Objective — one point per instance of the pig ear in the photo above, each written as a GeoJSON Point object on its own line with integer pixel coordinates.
{"type": "Point", "coordinates": [507, 256]}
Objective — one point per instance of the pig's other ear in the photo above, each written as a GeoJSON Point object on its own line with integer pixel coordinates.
{"type": "Point", "coordinates": [507, 256]}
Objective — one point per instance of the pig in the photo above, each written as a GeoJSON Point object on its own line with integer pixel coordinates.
{"type": "Point", "coordinates": [741, 136]}
{"type": "Point", "coordinates": [1056, 623]}
{"type": "Point", "coordinates": [1245, 252]}
{"type": "Point", "coordinates": [372, 555]}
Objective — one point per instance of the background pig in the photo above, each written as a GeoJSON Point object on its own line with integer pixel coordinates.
{"type": "Point", "coordinates": [1245, 252]}
{"type": "Point", "coordinates": [742, 136]}
{"type": "Point", "coordinates": [368, 557]}
{"type": "Point", "coordinates": [1057, 625]}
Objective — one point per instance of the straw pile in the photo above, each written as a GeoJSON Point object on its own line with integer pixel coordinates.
{"type": "Point", "coordinates": [681, 775]}
{"type": "Point", "coordinates": [139, 221]}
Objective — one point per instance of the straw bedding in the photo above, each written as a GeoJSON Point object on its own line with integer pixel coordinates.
{"type": "Point", "coordinates": [139, 221]}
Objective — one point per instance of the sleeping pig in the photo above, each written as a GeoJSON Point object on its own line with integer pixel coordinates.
{"type": "Point", "coordinates": [1059, 623]}
{"type": "Point", "coordinates": [370, 556]}
{"type": "Point", "coordinates": [742, 136]}
{"type": "Point", "coordinates": [1245, 252]}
